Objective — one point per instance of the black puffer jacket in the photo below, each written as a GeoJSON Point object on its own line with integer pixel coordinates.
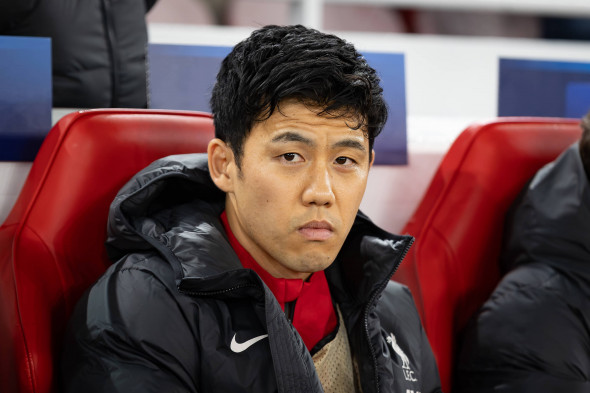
{"type": "Point", "coordinates": [533, 334]}
{"type": "Point", "coordinates": [99, 48]}
{"type": "Point", "coordinates": [163, 317]}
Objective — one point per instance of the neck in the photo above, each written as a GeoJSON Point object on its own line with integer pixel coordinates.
{"type": "Point", "coordinates": [266, 261]}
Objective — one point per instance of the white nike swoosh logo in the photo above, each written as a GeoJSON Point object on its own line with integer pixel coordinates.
{"type": "Point", "coordinates": [241, 347]}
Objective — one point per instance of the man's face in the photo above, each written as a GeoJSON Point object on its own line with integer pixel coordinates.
{"type": "Point", "coordinates": [295, 198]}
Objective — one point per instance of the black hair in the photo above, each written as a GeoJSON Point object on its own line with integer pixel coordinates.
{"type": "Point", "coordinates": [585, 144]}
{"type": "Point", "coordinates": [282, 62]}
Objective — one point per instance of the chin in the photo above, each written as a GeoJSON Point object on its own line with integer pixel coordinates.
{"type": "Point", "coordinates": [315, 264]}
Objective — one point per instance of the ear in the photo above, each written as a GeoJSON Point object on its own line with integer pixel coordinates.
{"type": "Point", "coordinates": [372, 158]}
{"type": "Point", "coordinates": [221, 164]}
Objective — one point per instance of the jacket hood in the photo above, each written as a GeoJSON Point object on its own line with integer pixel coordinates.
{"type": "Point", "coordinates": [172, 207]}
{"type": "Point", "coordinates": [552, 223]}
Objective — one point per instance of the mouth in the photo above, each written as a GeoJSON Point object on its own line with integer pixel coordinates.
{"type": "Point", "coordinates": [316, 230]}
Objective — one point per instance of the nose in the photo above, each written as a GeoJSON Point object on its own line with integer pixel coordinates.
{"type": "Point", "coordinates": [319, 189]}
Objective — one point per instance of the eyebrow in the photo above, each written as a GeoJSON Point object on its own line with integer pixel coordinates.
{"type": "Point", "coordinates": [290, 136]}
{"type": "Point", "coordinates": [352, 143]}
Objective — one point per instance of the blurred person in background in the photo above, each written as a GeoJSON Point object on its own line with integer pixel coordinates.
{"type": "Point", "coordinates": [533, 334]}
{"type": "Point", "coordinates": [99, 48]}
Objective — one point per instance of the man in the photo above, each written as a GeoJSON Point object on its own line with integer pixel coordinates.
{"type": "Point", "coordinates": [249, 269]}
{"type": "Point", "coordinates": [532, 334]}
{"type": "Point", "coordinates": [98, 48]}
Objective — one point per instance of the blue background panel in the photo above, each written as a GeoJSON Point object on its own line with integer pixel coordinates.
{"type": "Point", "coordinates": [25, 96]}
{"type": "Point", "coordinates": [391, 144]}
{"type": "Point", "coordinates": [182, 76]}
{"type": "Point", "coordinates": [543, 88]}
{"type": "Point", "coordinates": [577, 99]}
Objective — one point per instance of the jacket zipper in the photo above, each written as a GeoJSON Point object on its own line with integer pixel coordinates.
{"type": "Point", "coordinates": [111, 43]}
{"type": "Point", "coordinates": [370, 304]}
{"type": "Point", "coordinates": [214, 293]}
{"type": "Point", "coordinates": [290, 311]}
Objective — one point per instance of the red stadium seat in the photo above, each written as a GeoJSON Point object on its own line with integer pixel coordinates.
{"type": "Point", "coordinates": [453, 266]}
{"type": "Point", "coordinates": [51, 244]}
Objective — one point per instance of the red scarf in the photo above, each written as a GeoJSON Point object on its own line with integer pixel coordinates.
{"type": "Point", "coordinates": [314, 316]}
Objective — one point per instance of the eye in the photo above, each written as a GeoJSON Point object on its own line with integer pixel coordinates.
{"type": "Point", "coordinates": [344, 161]}
{"type": "Point", "coordinates": [292, 157]}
